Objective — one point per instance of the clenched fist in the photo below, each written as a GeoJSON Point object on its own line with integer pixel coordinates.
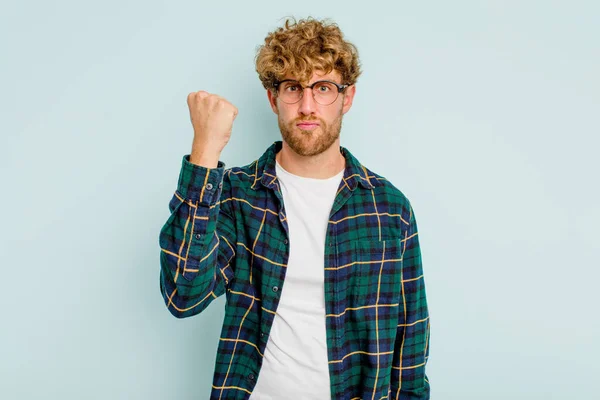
{"type": "Point", "coordinates": [212, 118]}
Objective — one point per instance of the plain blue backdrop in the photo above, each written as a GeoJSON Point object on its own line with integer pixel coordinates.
{"type": "Point", "coordinates": [484, 113]}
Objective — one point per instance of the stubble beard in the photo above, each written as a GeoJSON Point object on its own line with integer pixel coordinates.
{"type": "Point", "coordinates": [310, 143]}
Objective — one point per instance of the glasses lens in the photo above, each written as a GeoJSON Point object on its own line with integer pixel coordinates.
{"type": "Point", "coordinates": [290, 92]}
{"type": "Point", "coordinates": [325, 93]}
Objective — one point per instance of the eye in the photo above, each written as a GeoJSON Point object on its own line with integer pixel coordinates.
{"type": "Point", "coordinates": [324, 87]}
{"type": "Point", "coordinates": [291, 87]}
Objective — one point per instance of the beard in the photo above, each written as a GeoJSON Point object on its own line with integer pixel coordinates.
{"type": "Point", "coordinates": [310, 143]}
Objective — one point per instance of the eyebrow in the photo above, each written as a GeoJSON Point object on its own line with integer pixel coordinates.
{"type": "Point", "coordinates": [308, 84]}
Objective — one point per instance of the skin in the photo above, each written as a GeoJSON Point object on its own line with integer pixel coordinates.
{"type": "Point", "coordinates": [212, 118]}
{"type": "Point", "coordinates": [312, 153]}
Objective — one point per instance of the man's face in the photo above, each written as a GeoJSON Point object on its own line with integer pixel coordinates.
{"type": "Point", "coordinates": [308, 127]}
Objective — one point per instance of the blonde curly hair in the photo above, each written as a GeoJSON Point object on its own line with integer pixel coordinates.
{"type": "Point", "coordinates": [299, 48]}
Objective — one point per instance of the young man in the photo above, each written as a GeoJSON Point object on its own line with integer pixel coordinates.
{"type": "Point", "coordinates": [318, 256]}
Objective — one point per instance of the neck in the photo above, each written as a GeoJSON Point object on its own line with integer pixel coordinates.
{"type": "Point", "coordinates": [321, 166]}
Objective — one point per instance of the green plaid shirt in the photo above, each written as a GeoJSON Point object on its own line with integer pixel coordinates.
{"type": "Point", "coordinates": [228, 234]}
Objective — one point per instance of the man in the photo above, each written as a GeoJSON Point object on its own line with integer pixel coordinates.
{"type": "Point", "coordinates": [318, 256]}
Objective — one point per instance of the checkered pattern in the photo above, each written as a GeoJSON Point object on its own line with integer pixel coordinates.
{"type": "Point", "coordinates": [228, 234]}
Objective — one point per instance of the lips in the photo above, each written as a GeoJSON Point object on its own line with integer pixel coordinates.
{"type": "Point", "coordinates": [307, 124]}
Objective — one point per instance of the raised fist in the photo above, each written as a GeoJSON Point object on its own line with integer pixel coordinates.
{"type": "Point", "coordinates": [212, 118]}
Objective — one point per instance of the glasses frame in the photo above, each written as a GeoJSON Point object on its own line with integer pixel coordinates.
{"type": "Point", "coordinates": [340, 88]}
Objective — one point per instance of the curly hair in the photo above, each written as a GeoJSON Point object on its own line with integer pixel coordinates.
{"type": "Point", "coordinates": [299, 48]}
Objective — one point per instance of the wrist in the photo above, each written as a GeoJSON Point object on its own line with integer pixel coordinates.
{"type": "Point", "coordinates": [205, 157]}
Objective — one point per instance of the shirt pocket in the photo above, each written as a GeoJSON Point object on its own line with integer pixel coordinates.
{"type": "Point", "coordinates": [375, 276]}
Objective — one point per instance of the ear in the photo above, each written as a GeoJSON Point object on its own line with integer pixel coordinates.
{"type": "Point", "coordinates": [348, 98]}
{"type": "Point", "coordinates": [272, 101]}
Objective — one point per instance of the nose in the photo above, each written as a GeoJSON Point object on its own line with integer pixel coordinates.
{"type": "Point", "coordinates": [307, 103]}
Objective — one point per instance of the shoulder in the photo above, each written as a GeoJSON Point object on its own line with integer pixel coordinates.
{"type": "Point", "coordinates": [239, 181]}
{"type": "Point", "coordinates": [388, 194]}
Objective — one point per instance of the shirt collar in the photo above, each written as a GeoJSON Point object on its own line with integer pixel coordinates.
{"type": "Point", "coordinates": [354, 174]}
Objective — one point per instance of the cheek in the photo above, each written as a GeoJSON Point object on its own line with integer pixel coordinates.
{"type": "Point", "coordinates": [285, 114]}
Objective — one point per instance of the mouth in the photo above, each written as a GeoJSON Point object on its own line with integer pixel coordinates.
{"type": "Point", "coordinates": [307, 125]}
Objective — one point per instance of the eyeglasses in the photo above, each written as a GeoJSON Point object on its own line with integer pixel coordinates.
{"type": "Point", "coordinates": [324, 92]}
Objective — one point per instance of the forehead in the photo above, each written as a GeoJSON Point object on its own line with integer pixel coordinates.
{"type": "Point", "coordinates": [318, 76]}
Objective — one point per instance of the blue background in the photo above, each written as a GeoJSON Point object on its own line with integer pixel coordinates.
{"type": "Point", "coordinates": [484, 113]}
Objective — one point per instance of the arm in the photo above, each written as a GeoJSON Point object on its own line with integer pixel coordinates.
{"type": "Point", "coordinates": [411, 350]}
{"type": "Point", "coordinates": [198, 240]}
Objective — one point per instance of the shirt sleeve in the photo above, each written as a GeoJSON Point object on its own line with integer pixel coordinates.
{"type": "Point", "coordinates": [411, 349]}
{"type": "Point", "coordinates": [197, 242]}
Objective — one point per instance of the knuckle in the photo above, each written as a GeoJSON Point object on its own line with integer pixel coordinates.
{"type": "Point", "coordinates": [191, 97]}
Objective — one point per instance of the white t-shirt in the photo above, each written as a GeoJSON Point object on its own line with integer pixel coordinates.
{"type": "Point", "coordinates": [295, 364]}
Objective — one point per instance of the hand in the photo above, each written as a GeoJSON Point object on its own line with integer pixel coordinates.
{"type": "Point", "coordinates": [212, 118]}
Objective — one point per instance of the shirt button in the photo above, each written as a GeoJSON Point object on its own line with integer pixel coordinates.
{"type": "Point", "coordinates": [275, 288]}
{"type": "Point", "coordinates": [251, 377]}
{"type": "Point", "coordinates": [285, 241]}
{"type": "Point", "coordinates": [262, 334]}
{"type": "Point", "coordinates": [209, 186]}
{"type": "Point", "coordinates": [198, 236]}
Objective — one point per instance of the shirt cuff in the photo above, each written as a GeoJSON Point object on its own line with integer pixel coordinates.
{"type": "Point", "coordinates": [198, 184]}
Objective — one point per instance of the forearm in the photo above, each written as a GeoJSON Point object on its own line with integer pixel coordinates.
{"type": "Point", "coordinates": [411, 351]}
{"type": "Point", "coordinates": [195, 242]}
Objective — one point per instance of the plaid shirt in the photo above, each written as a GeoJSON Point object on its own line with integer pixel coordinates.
{"type": "Point", "coordinates": [228, 234]}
